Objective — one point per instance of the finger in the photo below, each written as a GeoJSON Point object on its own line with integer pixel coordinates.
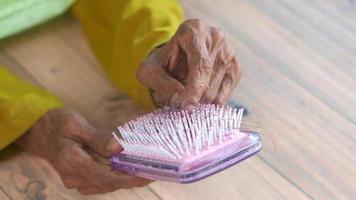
{"type": "Point", "coordinates": [103, 175]}
{"type": "Point", "coordinates": [221, 64]}
{"type": "Point", "coordinates": [94, 172]}
{"type": "Point", "coordinates": [100, 159]}
{"type": "Point", "coordinates": [193, 42]}
{"type": "Point", "coordinates": [154, 76]}
{"type": "Point", "coordinates": [91, 190]}
{"type": "Point", "coordinates": [74, 178]}
{"type": "Point", "coordinates": [130, 182]}
{"type": "Point", "coordinates": [119, 180]}
{"type": "Point", "coordinates": [121, 185]}
{"type": "Point", "coordinates": [216, 41]}
{"type": "Point", "coordinates": [224, 92]}
{"type": "Point", "coordinates": [230, 81]}
{"type": "Point", "coordinates": [78, 129]}
{"type": "Point", "coordinates": [178, 66]}
{"type": "Point", "coordinates": [75, 182]}
{"type": "Point", "coordinates": [101, 190]}
{"type": "Point", "coordinates": [102, 143]}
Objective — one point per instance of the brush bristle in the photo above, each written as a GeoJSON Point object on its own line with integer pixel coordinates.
{"type": "Point", "coordinates": [172, 134]}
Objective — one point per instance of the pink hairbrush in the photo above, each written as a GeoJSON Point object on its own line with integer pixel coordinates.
{"type": "Point", "coordinates": [174, 145]}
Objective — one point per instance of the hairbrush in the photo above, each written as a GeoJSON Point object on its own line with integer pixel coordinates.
{"type": "Point", "coordinates": [180, 146]}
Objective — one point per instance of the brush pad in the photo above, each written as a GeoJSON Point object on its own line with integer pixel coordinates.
{"type": "Point", "coordinates": [180, 146]}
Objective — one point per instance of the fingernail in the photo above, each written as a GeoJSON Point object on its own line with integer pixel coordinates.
{"type": "Point", "coordinates": [114, 146]}
{"type": "Point", "coordinates": [188, 107]}
{"type": "Point", "coordinates": [174, 99]}
{"type": "Point", "coordinates": [204, 100]}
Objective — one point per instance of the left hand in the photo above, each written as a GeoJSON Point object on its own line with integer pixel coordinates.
{"type": "Point", "coordinates": [196, 65]}
{"type": "Point", "coordinates": [78, 152]}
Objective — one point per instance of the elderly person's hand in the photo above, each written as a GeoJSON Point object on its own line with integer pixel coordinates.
{"type": "Point", "coordinates": [78, 152]}
{"type": "Point", "coordinates": [196, 65]}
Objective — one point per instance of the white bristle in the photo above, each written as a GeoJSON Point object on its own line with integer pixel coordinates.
{"type": "Point", "coordinates": [172, 134]}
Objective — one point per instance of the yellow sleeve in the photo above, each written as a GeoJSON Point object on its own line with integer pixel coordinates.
{"type": "Point", "coordinates": [21, 105]}
{"type": "Point", "coordinates": [123, 32]}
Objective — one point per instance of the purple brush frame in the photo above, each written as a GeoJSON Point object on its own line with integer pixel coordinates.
{"type": "Point", "coordinates": [201, 168]}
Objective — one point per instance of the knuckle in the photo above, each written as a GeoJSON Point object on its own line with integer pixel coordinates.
{"type": "Point", "coordinates": [194, 22]}
{"type": "Point", "coordinates": [70, 183]}
{"type": "Point", "coordinates": [70, 114]}
{"type": "Point", "coordinates": [230, 53]}
{"type": "Point", "coordinates": [221, 60]}
{"type": "Point", "coordinates": [226, 58]}
{"type": "Point", "coordinates": [206, 64]}
{"type": "Point", "coordinates": [237, 68]}
{"type": "Point", "coordinates": [73, 125]}
{"type": "Point", "coordinates": [142, 71]}
{"type": "Point", "coordinates": [191, 27]}
{"type": "Point", "coordinates": [199, 87]}
{"type": "Point", "coordinates": [217, 33]}
{"type": "Point", "coordinates": [187, 32]}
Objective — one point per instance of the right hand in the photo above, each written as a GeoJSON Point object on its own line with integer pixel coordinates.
{"type": "Point", "coordinates": [195, 66]}
{"type": "Point", "coordinates": [78, 152]}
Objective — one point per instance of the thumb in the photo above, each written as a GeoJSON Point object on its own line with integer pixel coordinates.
{"type": "Point", "coordinates": [103, 144]}
{"type": "Point", "coordinates": [166, 89]}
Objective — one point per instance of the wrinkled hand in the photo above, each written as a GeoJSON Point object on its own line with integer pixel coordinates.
{"type": "Point", "coordinates": [196, 65]}
{"type": "Point", "coordinates": [78, 152]}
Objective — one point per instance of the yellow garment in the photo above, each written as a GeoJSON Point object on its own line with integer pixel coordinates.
{"type": "Point", "coordinates": [121, 33]}
{"type": "Point", "coordinates": [21, 105]}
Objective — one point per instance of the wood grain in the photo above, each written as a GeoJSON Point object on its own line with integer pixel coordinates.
{"type": "Point", "coordinates": [299, 60]}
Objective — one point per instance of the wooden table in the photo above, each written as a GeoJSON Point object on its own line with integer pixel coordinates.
{"type": "Point", "coordinates": [299, 60]}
